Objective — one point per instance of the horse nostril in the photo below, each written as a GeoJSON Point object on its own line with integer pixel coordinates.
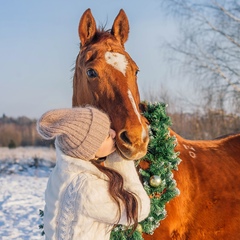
{"type": "Point", "coordinates": [125, 138]}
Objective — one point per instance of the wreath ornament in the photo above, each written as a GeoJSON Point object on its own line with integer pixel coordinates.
{"type": "Point", "coordinates": [157, 176]}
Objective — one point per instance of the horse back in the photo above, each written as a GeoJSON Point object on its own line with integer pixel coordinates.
{"type": "Point", "coordinates": [208, 178]}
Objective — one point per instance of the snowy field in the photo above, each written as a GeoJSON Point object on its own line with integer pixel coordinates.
{"type": "Point", "coordinates": [23, 178]}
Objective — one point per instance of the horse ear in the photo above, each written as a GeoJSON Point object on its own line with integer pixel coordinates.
{"type": "Point", "coordinates": [120, 28]}
{"type": "Point", "coordinates": [87, 27]}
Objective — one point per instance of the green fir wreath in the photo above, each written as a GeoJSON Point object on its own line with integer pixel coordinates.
{"type": "Point", "coordinates": [158, 179]}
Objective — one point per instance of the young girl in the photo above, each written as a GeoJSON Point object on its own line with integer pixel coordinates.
{"type": "Point", "coordinates": [84, 199]}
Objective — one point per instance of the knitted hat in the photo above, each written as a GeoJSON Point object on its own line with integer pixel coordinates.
{"type": "Point", "coordinates": [79, 132]}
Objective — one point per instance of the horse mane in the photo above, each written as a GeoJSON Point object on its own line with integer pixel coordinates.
{"type": "Point", "coordinates": [230, 135]}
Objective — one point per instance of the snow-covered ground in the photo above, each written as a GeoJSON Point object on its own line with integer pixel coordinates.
{"type": "Point", "coordinates": [23, 177]}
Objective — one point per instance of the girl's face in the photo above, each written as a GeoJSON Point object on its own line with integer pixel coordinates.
{"type": "Point", "coordinates": [108, 146]}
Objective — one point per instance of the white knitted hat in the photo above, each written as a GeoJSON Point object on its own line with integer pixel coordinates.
{"type": "Point", "coordinates": [79, 132]}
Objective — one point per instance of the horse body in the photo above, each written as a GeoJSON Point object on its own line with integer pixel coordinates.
{"type": "Point", "coordinates": [208, 178]}
{"type": "Point", "coordinates": [209, 174]}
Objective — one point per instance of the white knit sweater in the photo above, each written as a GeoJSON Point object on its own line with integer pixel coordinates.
{"type": "Point", "coordinates": [78, 204]}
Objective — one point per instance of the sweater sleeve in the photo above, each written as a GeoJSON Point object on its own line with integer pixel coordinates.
{"type": "Point", "coordinates": [97, 203]}
{"type": "Point", "coordinates": [132, 182]}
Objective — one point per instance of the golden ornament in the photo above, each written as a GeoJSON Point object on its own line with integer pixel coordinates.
{"type": "Point", "coordinates": [139, 228]}
{"type": "Point", "coordinates": [155, 181]}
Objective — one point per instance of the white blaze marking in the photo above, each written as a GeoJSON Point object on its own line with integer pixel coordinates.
{"type": "Point", "coordinates": [130, 96]}
{"type": "Point", "coordinates": [117, 60]}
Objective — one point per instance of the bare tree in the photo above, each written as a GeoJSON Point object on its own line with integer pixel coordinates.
{"type": "Point", "coordinates": [8, 134]}
{"type": "Point", "coordinates": [207, 121]}
{"type": "Point", "coordinates": [209, 46]}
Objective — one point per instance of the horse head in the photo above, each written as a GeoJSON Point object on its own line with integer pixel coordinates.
{"type": "Point", "coordinates": [106, 77]}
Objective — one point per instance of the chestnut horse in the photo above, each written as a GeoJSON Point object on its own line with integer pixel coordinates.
{"type": "Point", "coordinates": [105, 76]}
{"type": "Point", "coordinates": [209, 174]}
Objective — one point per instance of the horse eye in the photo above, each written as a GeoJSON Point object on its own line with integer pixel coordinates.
{"type": "Point", "coordinates": [136, 73]}
{"type": "Point", "coordinates": [91, 73]}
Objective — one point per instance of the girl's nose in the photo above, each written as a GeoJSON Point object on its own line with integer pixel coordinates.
{"type": "Point", "coordinates": [112, 133]}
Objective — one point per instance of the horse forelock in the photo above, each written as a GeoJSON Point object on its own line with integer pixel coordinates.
{"type": "Point", "coordinates": [101, 35]}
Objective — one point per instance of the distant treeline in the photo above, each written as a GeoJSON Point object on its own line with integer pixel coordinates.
{"type": "Point", "coordinates": [212, 124]}
{"type": "Point", "coordinates": [22, 131]}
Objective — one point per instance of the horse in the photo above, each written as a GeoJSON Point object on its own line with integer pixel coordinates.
{"type": "Point", "coordinates": [208, 177]}
{"type": "Point", "coordinates": [105, 76]}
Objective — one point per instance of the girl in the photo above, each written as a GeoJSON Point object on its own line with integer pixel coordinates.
{"type": "Point", "coordinates": [84, 199]}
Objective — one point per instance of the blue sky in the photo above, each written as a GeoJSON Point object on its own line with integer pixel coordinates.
{"type": "Point", "coordinates": [39, 43]}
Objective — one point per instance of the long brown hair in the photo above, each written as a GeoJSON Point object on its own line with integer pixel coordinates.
{"type": "Point", "coordinates": [119, 194]}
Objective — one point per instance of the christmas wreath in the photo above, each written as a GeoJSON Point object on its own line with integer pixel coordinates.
{"type": "Point", "coordinates": [157, 177]}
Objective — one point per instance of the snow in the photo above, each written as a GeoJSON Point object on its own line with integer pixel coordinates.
{"type": "Point", "coordinates": [23, 177]}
